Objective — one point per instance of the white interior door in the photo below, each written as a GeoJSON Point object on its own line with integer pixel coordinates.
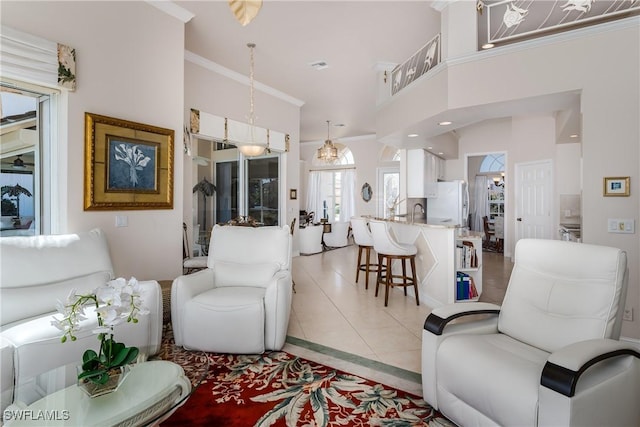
{"type": "Point", "coordinates": [534, 184]}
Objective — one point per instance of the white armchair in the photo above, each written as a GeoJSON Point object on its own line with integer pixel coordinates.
{"type": "Point", "coordinates": [241, 302]}
{"type": "Point", "coordinates": [310, 238]}
{"type": "Point", "coordinates": [338, 237]}
{"type": "Point", "coordinates": [550, 355]}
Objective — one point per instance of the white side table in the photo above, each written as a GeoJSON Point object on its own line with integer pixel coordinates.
{"type": "Point", "coordinates": [151, 391]}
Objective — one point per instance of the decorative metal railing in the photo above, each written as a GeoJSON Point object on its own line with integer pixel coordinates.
{"type": "Point", "coordinates": [422, 61]}
{"type": "Point", "coordinates": [506, 21]}
{"type": "Point", "coordinates": [509, 21]}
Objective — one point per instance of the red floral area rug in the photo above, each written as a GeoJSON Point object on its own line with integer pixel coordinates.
{"type": "Point", "coordinates": [280, 389]}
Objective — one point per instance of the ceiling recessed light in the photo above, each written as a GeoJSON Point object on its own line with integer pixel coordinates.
{"type": "Point", "coordinates": [445, 123]}
{"type": "Point", "coordinates": [575, 135]}
{"type": "Point", "coordinates": [440, 153]}
{"type": "Point", "coordinates": [319, 65]}
{"type": "Point", "coordinates": [429, 148]}
{"type": "Point", "coordinates": [488, 45]}
{"type": "Point", "coordinates": [412, 135]}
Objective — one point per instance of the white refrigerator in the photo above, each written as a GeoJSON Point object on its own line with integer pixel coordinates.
{"type": "Point", "coordinates": [451, 207]}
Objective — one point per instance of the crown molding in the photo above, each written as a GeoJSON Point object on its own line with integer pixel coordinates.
{"type": "Point", "coordinates": [172, 9]}
{"type": "Point", "coordinates": [240, 78]}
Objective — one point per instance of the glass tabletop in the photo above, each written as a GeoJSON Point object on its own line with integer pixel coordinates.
{"type": "Point", "coordinates": [152, 390]}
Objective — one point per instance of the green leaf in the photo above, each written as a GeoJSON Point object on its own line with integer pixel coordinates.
{"type": "Point", "coordinates": [102, 379]}
{"type": "Point", "coordinates": [117, 348]}
{"type": "Point", "coordinates": [126, 356]}
{"type": "Point", "coordinates": [91, 365]}
{"type": "Point", "coordinates": [89, 355]}
{"type": "Point", "coordinates": [131, 355]}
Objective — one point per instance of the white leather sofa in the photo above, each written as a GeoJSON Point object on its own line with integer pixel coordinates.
{"type": "Point", "coordinates": [241, 302]}
{"type": "Point", "coordinates": [36, 272]}
{"type": "Point", "coordinates": [549, 356]}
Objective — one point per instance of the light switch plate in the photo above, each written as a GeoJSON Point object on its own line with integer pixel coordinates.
{"type": "Point", "coordinates": [626, 226]}
{"type": "Point", "coordinates": [122, 221]}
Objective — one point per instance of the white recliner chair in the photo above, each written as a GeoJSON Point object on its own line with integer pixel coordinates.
{"type": "Point", "coordinates": [241, 302]}
{"type": "Point", "coordinates": [549, 356]}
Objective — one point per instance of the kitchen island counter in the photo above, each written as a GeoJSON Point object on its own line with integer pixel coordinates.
{"type": "Point", "coordinates": [436, 264]}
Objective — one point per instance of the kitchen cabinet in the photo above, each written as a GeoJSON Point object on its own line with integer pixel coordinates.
{"type": "Point", "coordinates": [422, 174]}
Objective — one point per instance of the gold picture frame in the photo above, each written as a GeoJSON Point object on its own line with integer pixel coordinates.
{"type": "Point", "coordinates": [127, 165]}
{"type": "Point", "coordinates": [616, 186]}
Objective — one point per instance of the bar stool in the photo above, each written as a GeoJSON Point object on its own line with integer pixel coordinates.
{"type": "Point", "coordinates": [364, 240]}
{"type": "Point", "coordinates": [390, 249]}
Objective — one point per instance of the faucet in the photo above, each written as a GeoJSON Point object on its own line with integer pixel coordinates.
{"type": "Point", "coordinates": [413, 211]}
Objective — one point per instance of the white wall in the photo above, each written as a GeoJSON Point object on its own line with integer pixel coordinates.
{"type": "Point", "coordinates": [129, 66]}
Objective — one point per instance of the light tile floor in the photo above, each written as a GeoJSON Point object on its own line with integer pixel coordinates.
{"type": "Point", "coordinates": [331, 310]}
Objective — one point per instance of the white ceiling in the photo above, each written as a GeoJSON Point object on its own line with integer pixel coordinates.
{"type": "Point", "coordinates": [355, 38]}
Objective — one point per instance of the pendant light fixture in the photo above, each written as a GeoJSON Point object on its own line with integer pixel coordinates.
{"type": "Point", "coordinates": [251, 148]}
{"type": "Point", "coordinates": [328, 152]}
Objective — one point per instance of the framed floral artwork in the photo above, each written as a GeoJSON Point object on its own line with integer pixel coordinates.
{"type": "Point", "coordinates": [128, 165]}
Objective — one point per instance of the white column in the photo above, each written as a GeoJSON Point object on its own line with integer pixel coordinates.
{"type": "Point", "coordinates": [459, 27]}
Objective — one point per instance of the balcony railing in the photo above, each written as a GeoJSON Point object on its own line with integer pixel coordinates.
{"type": "Point", "coordinates": [422, 61]}
{"type": "Point", "coordinates": [502, 22]}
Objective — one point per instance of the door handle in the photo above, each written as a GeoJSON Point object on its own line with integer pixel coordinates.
{"type": "Point", "coordinates": [519, 219]}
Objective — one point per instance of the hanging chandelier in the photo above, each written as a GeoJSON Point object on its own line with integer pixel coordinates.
{"type": "Point", "coordinates": [328, 152]}
{"type": "Point", "coordinates": [251, 148]}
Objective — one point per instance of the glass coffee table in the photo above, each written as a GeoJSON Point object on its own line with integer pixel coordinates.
{"type": "Point", "coordinates": [150, 393]}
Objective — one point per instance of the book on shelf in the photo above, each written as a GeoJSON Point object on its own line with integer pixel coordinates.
{"type": "Point", "coordinates": [465, 287]}
{"type": "Point", "coordinates": [466, 256]}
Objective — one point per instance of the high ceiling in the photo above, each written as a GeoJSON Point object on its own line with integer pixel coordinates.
{"type": "Point", "coordinates": [356, 39]}
{"type": "Point", "coordinates": [352, 37]}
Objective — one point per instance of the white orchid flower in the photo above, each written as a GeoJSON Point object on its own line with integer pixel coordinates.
{"type": "Point", "coordinates": [109, 315]}
{"type": "Point", "coordinates": [109, 295]}
{"type": "Point", "coordinates": [116, 301]}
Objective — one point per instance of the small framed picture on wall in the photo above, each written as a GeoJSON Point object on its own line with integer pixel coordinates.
{"type": "Point", "coordinates": [616, 186]}
{"type": "Point", "coordinates": [293, 194]}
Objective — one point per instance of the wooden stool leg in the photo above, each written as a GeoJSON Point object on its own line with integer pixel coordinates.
{"type": "Point", "coordinates": [404, 275]}
{"type": "Point", "coordinates": [358, 263]}
{"type": "Point", "coordinates": [415, 280]}
{"type": "Point", "coordinates": [389, 281]}
{"type": "Point", "coordinates": [368, 255]}
{"type": "Point", "coordinates": [379, 275]}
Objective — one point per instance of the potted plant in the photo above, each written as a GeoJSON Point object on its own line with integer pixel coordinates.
{"type": "Point", "coordinates": [115, 302]}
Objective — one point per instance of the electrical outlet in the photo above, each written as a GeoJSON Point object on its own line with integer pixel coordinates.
{"type": "Point", "coordinates": [628, 314]}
